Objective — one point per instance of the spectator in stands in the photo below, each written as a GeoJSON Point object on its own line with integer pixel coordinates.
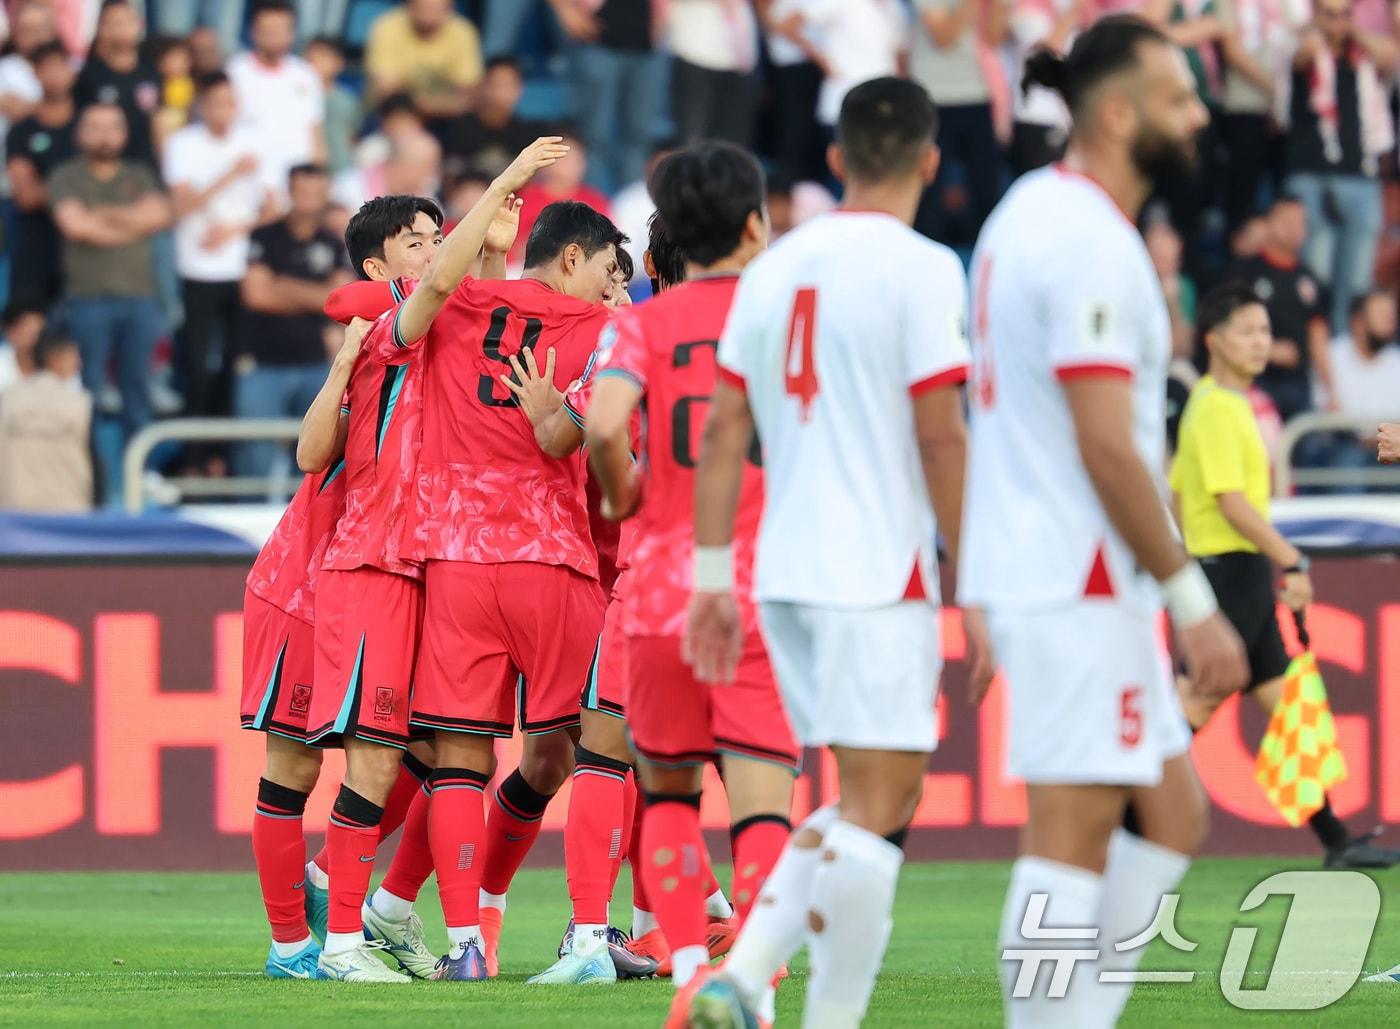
{"type": "Point", "coordinates": [1340, 126]}
{"type": "Point", "coordinates": [211, 171]}
{"type": "Point", "coordinates": [485, 140]}
{"type": "Point", "coordinates": [1257, 37]}
{"type": "Point", "coordinates": [427, 50]}
{"type": "Point", "coordinates": [1041, 121]}
{"type": "Point", "coordinates": [856, 40]}
{"type": "Point", "coordinates": [172, 59]}
{"type": "Point", "coordinates": [108, 208]}
{"type": "Point", "coordinates": [566, 179]}
{"type": "Point", "coordinates": [1164, 248]}
{"type": "Point", "coordinates": [31, 28]}
{"type": "Point", "coordinates": [279, 96]}
{"type": "Point", "coordinates": [22, 324]}
{"type": "Point", "coordinates": [116, 74]}
{"type": "Point", "coordinates": [1388, 449]}
{"type": "Point", "coordinates": [222, 19]}
{"type": "Point", "coordinates": [343, 111]}
{"type": "Point", "coordinates": [293, 265]}
{"type": "Point", "coordinates": [953, 56]}
{"type": "Point", "coordinates": [36, 146]}
{"type": "Point", "coordinates": [632, 208]}
{"type": "Point", "coordinates": [1297, 307]}
{"type": "Point", "coordinates": [1366, 373]}
{"type": "Point", "coordinates": [46, 434]}
{"type": "Point", "coordinates": [412, 163]}
{"type": "Point", "coordinates": [1249, 238]}
{"type": "Point", "coordinates": [618, 84]}
{"type": "Point", "coordinates": [206, 51]}
{"type": "Point", "coordinates": [714, 51]}
{"type": "Point", "coordinates": [795, 81]}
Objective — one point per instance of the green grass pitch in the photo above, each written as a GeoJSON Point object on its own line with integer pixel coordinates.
{"type": "Point", "coordinates": [187, 949]}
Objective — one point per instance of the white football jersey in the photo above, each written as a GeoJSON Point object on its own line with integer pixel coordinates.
{"type": "Point", "coordinates": [832, 332]}
{"type": "Point", "coordinates": [1061, 287]}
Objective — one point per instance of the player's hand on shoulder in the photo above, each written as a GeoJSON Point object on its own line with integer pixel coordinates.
{"type": "Point", "coordinates": [1215, 657]}
{"type": "Point", "coordinates": [355, 334]}
{"type": "Point", "coordinates": [540, 154]}
{"type": "Point", "coordinates": [713, 637]}
{"type": "Point", "coordinates": [981, 656]}
{"type": "Point", "coordinates": [534, 390]}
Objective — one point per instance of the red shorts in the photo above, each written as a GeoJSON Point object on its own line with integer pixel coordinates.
{"type": "Point", "coordinates": [607, 676]}
{"type": "Point", "coordinates": [279, 654]}
{"type": "Point", "coordinates": [368, 623]}
{"type": "Point", "coordinates": [502, 639]}
{"type": "Point", "coordinates": [676, 720]}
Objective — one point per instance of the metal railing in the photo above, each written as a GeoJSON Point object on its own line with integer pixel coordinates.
{"type": "Point", "coordinates": [1287, 477]}
{"type": "Point", "coordinates": [136, 488]}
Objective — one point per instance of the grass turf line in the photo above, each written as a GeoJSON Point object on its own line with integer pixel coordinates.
{"type": "Point", "coordinates": [192, 947]}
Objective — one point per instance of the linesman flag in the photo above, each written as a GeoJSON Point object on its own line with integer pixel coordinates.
{"type": "Point", "coordinates": [1298, 758]}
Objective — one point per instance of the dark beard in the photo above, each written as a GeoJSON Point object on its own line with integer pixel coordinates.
{"type": "Point", "coordinates": [1160, 160]}
{"type": "Point", "coordinates": [1376, 343]}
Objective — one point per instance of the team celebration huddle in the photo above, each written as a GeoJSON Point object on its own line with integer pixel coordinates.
{"type": "Point", "coordinates": [706, 530]}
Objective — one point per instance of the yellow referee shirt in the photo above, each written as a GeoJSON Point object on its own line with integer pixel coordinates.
{"type": "Point", "coordinates": [1219, 450]}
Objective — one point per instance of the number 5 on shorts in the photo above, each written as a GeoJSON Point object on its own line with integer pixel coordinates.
{"type": "Point", "coordinates": [800, 375]}
{"type": "Point", "coordinates": [1130, 716]}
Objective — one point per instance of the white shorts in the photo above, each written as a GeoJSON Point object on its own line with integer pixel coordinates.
{"type": "Point", "coordinates": [1092, 696]}
{"type": "Point", "coordinates": [862, 679]}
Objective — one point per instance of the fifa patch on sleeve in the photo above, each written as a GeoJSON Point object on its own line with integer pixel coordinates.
{"type": "Point", "coordinates": [1098, 326]}
{"type": "Point", "coordinates": [607, 339]}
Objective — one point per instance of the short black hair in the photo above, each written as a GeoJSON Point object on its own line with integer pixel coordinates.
{"type": "Point", "coordinates": [1285, 197]}
{"type": "Point", "coordinates": [1110, 46]}
{"type": "Point", "coordinates": [17, 309]}
{"type": "Point", "coordinates": [329, 42]}
{"type": "Point", "coordinates": [380, 220]}
{"type": "Point", "coordinates": [883, 127]}
{"type": "Point", "coordinates": [45, 51]}
{"type": "Point", "coordinates": [296, 171]}
{"type": "Point", "coordinates": [397, 103]}
{"type": "Point", "coordinates": [505, 61]}
{"type": "Point", "coordinates": [1220, 304]}
{"type": "Point", "coordinates": [1357, 307]}
{"type": "Point", "coordinates": [625, 267]}
{"type": "Point", "coordinates": [211, 80]}
{"type": "Point", "coordinates": [261, 7]}
{"type": "Point", "coordinates": [706, 193]}
{"type": "Point", "coordinates": [565, 222]}
{"type": "Point", "coordinates": [666, 258]}
{"type": "Point", "coordinates": [51, 341]}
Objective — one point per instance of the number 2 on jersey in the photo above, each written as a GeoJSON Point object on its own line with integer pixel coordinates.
{"type": "Point", "coordinates": [800, 364]}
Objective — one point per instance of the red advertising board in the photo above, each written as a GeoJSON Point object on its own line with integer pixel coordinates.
{"type": "Point", "coordinates": [120, 746]}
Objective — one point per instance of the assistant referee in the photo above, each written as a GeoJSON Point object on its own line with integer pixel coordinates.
{"type": "Point", "coordinates": [1220, 489]}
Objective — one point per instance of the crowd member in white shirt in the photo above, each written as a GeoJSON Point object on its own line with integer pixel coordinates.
{"type": "Point", "coordinates": [796, 82]}
{"type": "Point", "coordinates": [280, 98]}
{"type": "Point", "coordinates": [33, 27]}
{"type": "Point", "coordinates": [1070, 552]}
{"type": "Point", "coordinates": [845, 354]}
{"type": "Point", "coordinates": [211, 168]}
{"type": "Point", "coordinates": [1366, 373]}
{"type": "Point", "coordinates": [852, 41]}
{"type": "Point", "coordinates": [714, 46]}
{"type": "Point", "coordinates": [1040, 123]}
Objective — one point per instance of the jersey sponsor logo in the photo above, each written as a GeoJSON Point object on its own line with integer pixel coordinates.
{"type": "Point", "coordinates": [1098, 324]}
{"type": "Point", "coordinates": [383, 702]}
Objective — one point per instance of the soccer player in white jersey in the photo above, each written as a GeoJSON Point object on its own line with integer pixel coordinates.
{"type": "Point", "coordinates": [845, 349]}
{"type": "Point", "coordinates": [1069, 552]}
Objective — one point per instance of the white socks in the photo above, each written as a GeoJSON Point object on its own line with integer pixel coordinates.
{"type": "Point", "coordinates": [290, 950]}
{"type": "Point", "coordinates": [686, 962]}
{"type": "Point", "coordinates": [317, 876]}
{"type": "Point", "coordinates": [851, 900]}
{"type": "Point", "coordinates": [777, 922]}
{"type": "Point", "coordinates": [493, 900]}
{"type": "Point", "coordinates": [460, 937]}
{"type": "Point", "coordinates": [1073, 900]}
{"type": "Point", "coordinates": [643, 922]}
{"type": "Point", "coordinates": [387, 905]}
{"type": "Point", "coordinates": [717, 905]}
{"type": "Point", "coordinates": [589, 939]}
{"type": "Point", "coordinates": [1137, 876]}
{"type": "Point", "coordinates": [339, 943]}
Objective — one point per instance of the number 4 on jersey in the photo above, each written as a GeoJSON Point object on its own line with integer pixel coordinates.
{"type": "Point", "coordinates": [800, 365]}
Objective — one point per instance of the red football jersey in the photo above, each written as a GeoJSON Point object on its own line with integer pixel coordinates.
{"type": "Point", "coordinates": [667, 347]}
{"type": "Point", "coordinates": [486, 492]}
{"type": "Point", "coordinates": [614, 542]}
{"type": "Point", "coordinates": [381, 457]}
{"type": "Point", "coordinates": [286, 568]}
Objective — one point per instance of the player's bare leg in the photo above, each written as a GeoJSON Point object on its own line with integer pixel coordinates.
{"type": "Point", "coordinates": [457, 831]}
{"type": "Point", "coordinates": [279, 844]}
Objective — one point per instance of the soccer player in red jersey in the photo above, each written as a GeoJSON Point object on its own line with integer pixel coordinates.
{"type": "Point", "coordinates": [710, 198]}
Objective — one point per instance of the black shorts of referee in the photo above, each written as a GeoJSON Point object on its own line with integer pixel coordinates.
{"type": "Point", "coordinates": [1244, 588]}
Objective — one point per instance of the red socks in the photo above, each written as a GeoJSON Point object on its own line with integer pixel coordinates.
{"type": "Point", "coordinates": [412, 775]}
{"type": "Point", "coordinates": [757, 843]}
{"type": "Point", "coordinates": [630, 828]}
{"type": "Point", "coordinates": [511, 829]}
{"type": "Point", "coordinates": [674, 867]}
{"type": "Point", "coordinates": [634, 849]}
{"type": "Point", "coordinates": [351, 840]}
{"type": "Point", "coordinates": [594, 833]}
{"type": "Point", "coordinates": [456, 830]}
{"type": "Point", "coordinates": [279, 850]}
{"type": "Point", "coordinates": [413, 861]}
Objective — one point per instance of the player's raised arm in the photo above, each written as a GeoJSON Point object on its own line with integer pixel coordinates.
{"type": "Point", "coordinates": [325, 424]}
{"type": "Point", "coordinates": [463, 244]}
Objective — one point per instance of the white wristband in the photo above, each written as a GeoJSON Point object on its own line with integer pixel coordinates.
{"type": "Point", "coordinates": [1189, 597]}
{"type": "Point", "coordinates": [714, 569]}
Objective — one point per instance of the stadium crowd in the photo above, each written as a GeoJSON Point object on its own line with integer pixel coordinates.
{"type": "Point", "coordinates": [178, 175]}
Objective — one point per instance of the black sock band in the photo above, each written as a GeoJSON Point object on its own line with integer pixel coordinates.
{"type": "Point", "coordinates": [744, 824]}
{"type": "Point", "coordinates": [898, 837]}
{"type": "Point", "coordinates": [355, 811]}
{"type": "Point", "coordinates": [521, 799]}
{"type": "Point", "coordinates": [416, 768]}
{"type": "Point", "coordinates": [688, 799]}
{"type": "Point", "coordinates": [1328, 826]}
{"type": "Point", "coordinates": [441, 778]}
{"type": "Point", "coordinates": [583, 757]}
{"type": "Point", "coordinates": [279, 799]}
